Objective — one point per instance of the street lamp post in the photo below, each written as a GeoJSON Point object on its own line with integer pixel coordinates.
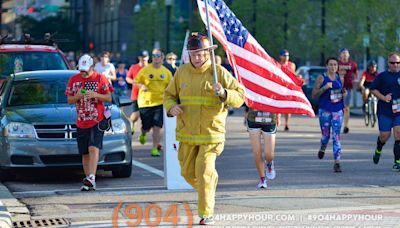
{"type": "Point", "coordinates": [366, 39]}
{"type": "Point", "coordinates": [398, 37]}
{"type": "Point", "coordinates": [168, 4]}
{"type": "Point", "coordinates": [136, 10]}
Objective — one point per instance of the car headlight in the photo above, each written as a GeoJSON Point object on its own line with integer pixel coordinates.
{"type": "Point", "coordinates": [118, 127]}
{"type": "Point", "coordinates": [19, 130]}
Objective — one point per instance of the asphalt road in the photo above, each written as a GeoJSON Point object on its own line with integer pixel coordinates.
{"type": "Point", "coordinates": [296, 164]}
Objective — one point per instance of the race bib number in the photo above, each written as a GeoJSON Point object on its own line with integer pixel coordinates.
{"type": "Point", "coordinates": [396, 106]}
{"type": "Point", "coordinates": [336, 95]}
{"type": "Point", "coordinates": [263, 117]}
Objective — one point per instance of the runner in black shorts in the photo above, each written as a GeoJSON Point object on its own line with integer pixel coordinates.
{"type": "Point", "coordinates": [88, 90]}
{"type": "Point", "coordinates": [93, 136]}
{"type": "Point", "coordinates": [151, 117]}
{"type": "Point", "coordinates": [263, 123]}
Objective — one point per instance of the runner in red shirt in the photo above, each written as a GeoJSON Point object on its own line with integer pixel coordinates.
{"type": "Point", "coordinates": [351, 75]}
{"type": "Point", "coordinates": [133, 71]}
{"type": "Point", "coordinates": [284, 61]}
{"type": "Point", "coordinates": [88, 90]}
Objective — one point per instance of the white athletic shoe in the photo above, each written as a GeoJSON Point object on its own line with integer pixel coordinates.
{"type": "Point", "coordinates": [262, 184]}
{"type": "Point", "coordinates": [270, 170]}
{"type": "Point", "coordinates": [88, 184]}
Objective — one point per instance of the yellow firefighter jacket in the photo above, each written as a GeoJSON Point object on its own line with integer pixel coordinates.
{"type": "Point", "coordinates": [204, 114]}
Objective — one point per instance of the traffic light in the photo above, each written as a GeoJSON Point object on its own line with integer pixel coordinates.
{"type": "Point", "coordinates": [30, 10]}
{"type": "Point", "coordinates": [91, 45]}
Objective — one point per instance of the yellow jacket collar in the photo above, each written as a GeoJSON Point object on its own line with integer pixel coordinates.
{"type": "Point", "coordinates": [206, 66]}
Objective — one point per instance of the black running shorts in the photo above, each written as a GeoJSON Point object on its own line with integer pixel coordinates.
{"type": "Point", "coordinates": [151, 116]}
{"type": "Point", "coordinates": [91, 137]}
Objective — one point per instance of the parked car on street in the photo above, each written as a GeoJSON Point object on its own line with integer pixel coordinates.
{"type": "Point", "coordinates": [309, 75]}
{"type": "Point", "coordinates": [38, 126]}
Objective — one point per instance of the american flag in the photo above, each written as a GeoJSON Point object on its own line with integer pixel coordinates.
{"type": "Point", "coordinates": [270, 86]}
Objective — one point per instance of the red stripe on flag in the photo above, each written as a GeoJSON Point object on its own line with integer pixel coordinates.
{"type": "Point", "coordinates": [262, 72]}
{"type": "Point", "coordinates": [259, 89]}
{"type": "Point", "coordinates": [252, 48]}
{"type": "Point", "coordinates": [273, 109]}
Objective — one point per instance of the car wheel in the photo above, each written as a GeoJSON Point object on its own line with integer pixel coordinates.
{"type": "Point", "coordinates": [123, 171]}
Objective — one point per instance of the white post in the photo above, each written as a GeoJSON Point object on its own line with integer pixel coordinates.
{"type": "Point", "coordinates": [172, 170]}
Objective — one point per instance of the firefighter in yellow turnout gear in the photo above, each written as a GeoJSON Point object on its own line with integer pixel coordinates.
{"type": "Point", "coordinates": [201, 110]}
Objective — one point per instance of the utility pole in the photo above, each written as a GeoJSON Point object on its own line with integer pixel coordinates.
{"type": "Point", "coordinates": [254, 17]}
{"type": "Point", "coordinates": [168, 4]}
{"type": "Point", "coordinates": [367, 52]}
{"type": "Point", "coordinates": [1, 17]}
{"type": "Point", "coordinates": [323, 31]}
{"type": "Point", "coordinates": [285, 24]}
{"type": "Point", "coordinates": [85, 26]}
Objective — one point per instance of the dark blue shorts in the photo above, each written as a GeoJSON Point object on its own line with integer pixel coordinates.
{"type": "Point", "coordinates": [151, 116]}
{"type": "Point", "coordinates": [386, 123]}
{"type": "Point", "coordinates": [91, 137]}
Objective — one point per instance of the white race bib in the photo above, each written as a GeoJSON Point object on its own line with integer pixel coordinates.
{"type": "Point", "coordinates": [263, 117]}
{"type": "Point", "coordinates": [336, 95]}
{"type": "Point", "coordinates": [396, 106]}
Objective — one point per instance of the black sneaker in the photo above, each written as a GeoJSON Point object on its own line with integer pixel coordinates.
{"type": "Point", "coordinates": [286, 128]}
{"type": "Point", "coordinates": [376, 156]}
{"type": "Point", "coordinates": [396, 167]}
{"type": "Point", "coordinates": [345, 130]}
{"type": "Point", "coordinates": [321, 152]}
{"type": "Point", "coordinates": [336, 168]}
{"type": "Point", "coordinates": [88, 185]}
{"type": "Point", "coordinates": [207, 221]}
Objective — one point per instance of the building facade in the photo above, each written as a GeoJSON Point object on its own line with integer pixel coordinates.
{"type": "Point", "coordinates": [113, 25]}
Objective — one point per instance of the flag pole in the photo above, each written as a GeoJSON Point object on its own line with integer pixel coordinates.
{"type": "Point", "coordinates": [211, 43]}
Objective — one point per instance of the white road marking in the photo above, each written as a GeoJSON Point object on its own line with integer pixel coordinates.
{"type": "Point", "coordinates": [119, 189]}
{"type": "Point", "coordinates": [148, 168]}
{"type": "Point", "coordinates": [134, 162]}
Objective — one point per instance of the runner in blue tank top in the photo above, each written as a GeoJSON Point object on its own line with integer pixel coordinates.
{"type": "Point", "coordinates": [328, 88]}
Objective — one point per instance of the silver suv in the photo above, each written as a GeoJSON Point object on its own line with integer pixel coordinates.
{"type": "Point", "coordinates": [38, 127]}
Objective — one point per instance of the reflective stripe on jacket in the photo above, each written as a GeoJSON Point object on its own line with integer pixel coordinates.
{"type": "Point", "coordinates": [204, 114]}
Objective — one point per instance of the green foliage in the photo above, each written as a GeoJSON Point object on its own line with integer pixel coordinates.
{"type": "Point", "coordinates": [345, 26]}
{"type": "Point", "coordinates": [67, 34]}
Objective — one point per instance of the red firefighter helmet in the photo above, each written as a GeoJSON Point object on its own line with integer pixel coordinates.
{"type": "Point", "coordinates": [198, 42]}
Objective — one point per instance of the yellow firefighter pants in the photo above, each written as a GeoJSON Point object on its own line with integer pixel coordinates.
{"type": "Point", "coordinates": [198, 168]}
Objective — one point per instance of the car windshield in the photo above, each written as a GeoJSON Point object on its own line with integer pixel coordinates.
{"type": "Point", "coordinates": [313, 74]}
{"type": "Point", "coordinates": [14, 62]}
{"type": "Point", "coordinates": [35, 92]}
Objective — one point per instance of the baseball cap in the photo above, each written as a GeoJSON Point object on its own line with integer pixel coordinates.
{"type": "Point", "coordinates": [283, 52]}
{"type": "Point", "coordinates": [343, 50]}
{"type": "Point", "coordinates": [143, 53]}
{"type": "Point", "coordinates": [85, 62]}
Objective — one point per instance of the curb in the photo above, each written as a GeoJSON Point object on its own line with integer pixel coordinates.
{"type": "Point", "coordinates": [5, 214]}
{"type": "Point", "coordinates": [5, 217]}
